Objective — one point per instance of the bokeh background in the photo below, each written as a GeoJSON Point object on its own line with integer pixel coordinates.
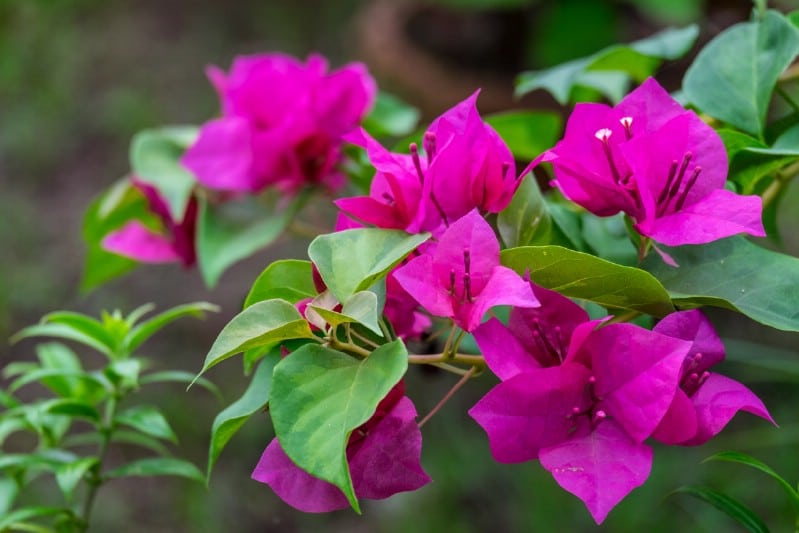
{"type": "Point", "coordinates": [79, 77]}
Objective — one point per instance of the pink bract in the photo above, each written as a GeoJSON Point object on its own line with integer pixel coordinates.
{"type": "Point", "coordinates": [579, 396]}
{"type": "Point", "coordinates": [655, 161]}
{"type": "Point", "coordinates": [461, 277]}
{"type": "Point", "coordinates": [465, 166]}
{"type": "Point", "coordinates": [705, 401]}
{"type": "Point", "coordinates": [175, 243]}
{"type": "Point", "coordinates": [282, 123]}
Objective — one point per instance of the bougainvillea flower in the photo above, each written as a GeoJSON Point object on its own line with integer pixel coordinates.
{"type": "Point", "coordinates": [578, 397]}
{"type": "Point", "coordinates": [705, 401]}
{"type": "Point", "coordinates": [281, 124]}
{"type": "Point", "coordinates": [402, 311]}
{"type": "Point", "coordinates": [656, 161]}
{"type": "Point", "coordinates": [465, 165]}
{"type": "Point", "coordinates": [174, 244]}
{"type": "Point", "coordinates": [461, 277]}
{"type": "Point", "coordinates": [383, 456]}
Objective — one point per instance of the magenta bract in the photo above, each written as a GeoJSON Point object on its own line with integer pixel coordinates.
{"type": "Point", "coordinates": [578, 396]}
{"type": "Point", "coordinates": [174, 244]}
{"type": "Point", "coordinates": [461, 277]}
{"type": "Point", "coordinates": [705, 401]}
{"type": "Point", "coordinates": [656, 161]}
{"type": "Point", "coordinates": [465, 166]}
{"type": "Point", "coordinates": [282, 122]}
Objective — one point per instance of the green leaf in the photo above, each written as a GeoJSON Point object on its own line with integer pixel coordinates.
{"type": "Point", "coordinates": [636, 61]}
{"type": "Point", "coordinates": [155, 159]}
{"type": "Point", "coordinates": [736, 274]}
{"type": "Point", "coordinates": [158, 466]}
{"type": "Point", "coordinates": [71, 408]}
{"type": "Point", "coordinates": [319, 396]}
{"type": "Point", "coordinates": [361, 308]}
{"type": "Point", "coordinates": [148, 328]}
{"type": "Point", "coordinates": [732, 508]}
{"type": "Point", "coordinates": [83, 386]}
{"type": "Point", "coordinates": [68, 475]}
{"type": "Point", "coordinates": [391, 116]}
{"type": "Point", "coordinates": [353, 260]}
{"type": "Point", "coordinates": [748, 460]}
{"type": "Point", "coordinates": [148, 420]}
{"type": "Point", "coordinates": [124, 373]}
{"type": "Point", "coordinates": [254, 399]}
{"type": "Point", "coordinates": [733, 76]}
{"type": "Point", "coordinates": [526, 220]}
{"type": "Point", "coordinates": [85, 324]}
{"type": "Point", "coordinates": [26, 513]}
{"type": "Point", "coordinates": [62, 331]}
{"type": "Point", "coordinates": [232, 231]}
{"type": "Point", "coordinates": [586, 277]}
{"type": "Point", "coordinates": [751, 160]}
{"type": "Point", "coordinates": [8, 493]}
{"type": "Point", "coordinates": [527, 133]}
{"type": "Point", "coordinates": [286, 279]}
{"type": "Point", "coordinates": [261, 324]}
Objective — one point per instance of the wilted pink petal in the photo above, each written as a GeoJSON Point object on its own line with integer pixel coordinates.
{"type": "Point", "coordinates": [600, 467]}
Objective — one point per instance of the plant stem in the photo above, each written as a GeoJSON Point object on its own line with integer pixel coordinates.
{"type": "Point", "coordinates": [448, 395]}
{"type": "Point", "coordinates": [624, 317]}
{"type": "Point", "coordinates": [472, 360]}
{"type": "Point", "coordinates": [96, 479]}
{"type": "Point", "coordinates": [785, 96]}
{"type": "Point", "coordinates": [781, 178]}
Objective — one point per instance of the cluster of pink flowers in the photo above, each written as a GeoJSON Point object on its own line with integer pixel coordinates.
{"type": "Point", "coordinates": [282, 125]}
{"type": "Point", "coordinates": [581, 396]}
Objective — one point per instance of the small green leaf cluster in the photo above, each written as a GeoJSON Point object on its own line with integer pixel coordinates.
{"type": "Point", "coordinates": [65, 427]}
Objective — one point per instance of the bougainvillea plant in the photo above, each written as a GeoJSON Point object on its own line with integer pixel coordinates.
{"type": "Point", "coordinates": [582, 300]}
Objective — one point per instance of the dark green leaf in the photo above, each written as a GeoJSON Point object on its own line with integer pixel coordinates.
{"type": "Point", "coordinates": [732, 508]}
{"type": "Point", "coordinates": [391, 116]}
{"type": "Point", "coordinates": [254, 399]}
{"type": "Point", "coordinates": [527, 133]}
{"type": "Point", "coordinates": [148, 420]}
{"type": "Point", "coordinates": [353, 260]}
{"type": "Point", "coordinates": [586, 277]}
{"type": "Point", "coordinates": [71, 408]}
{"type": "Point", "coordinates": [736, 274]}
{"type": "Point", "coordinates": [526, 220]}
{"type": "Point", "coordinates": [319, 396]}
{"type": "Point", "coordinates": [155, 159]}
{"type": "Point", "coordinates": [286, 279]}
{"type": "Point", "coordinates": [637, 60]}
{"type": "Point", "coordinates": [261, 324]}
{"type": "Point", "coordinates": [83, 323]}
{"type": "Point", "coordinates": [158, 466]}
{"type": "Point", "coordinates": [748, 460]}
{"type": "Point", "coordinates": [733, 76]}
{"type": "Point", "coordinates": [149, 327]}
{"type": "Point", "coordinates": [229, 232]}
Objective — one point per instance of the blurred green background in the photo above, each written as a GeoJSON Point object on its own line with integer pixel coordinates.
{"type": "Point", "coordinates": [79, 77]}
